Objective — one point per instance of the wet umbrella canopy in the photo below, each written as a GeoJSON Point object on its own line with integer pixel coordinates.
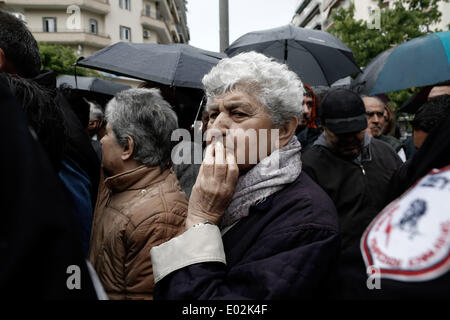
{"type": "Point", "coordinates": [419, 62]}
{"type": "Point", "coordinates": [92, 84]}
{"type": "Point", "coordinates": [316, 56]}
{"type": "Point", "coordinates": [179, 65]}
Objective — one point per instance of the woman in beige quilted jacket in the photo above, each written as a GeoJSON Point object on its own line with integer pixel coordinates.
{"type": "Point", "coordinates": [140, 202]}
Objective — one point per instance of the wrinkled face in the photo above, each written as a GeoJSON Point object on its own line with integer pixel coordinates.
{"type": "Point", "coordinates": [307, 109]}
{"type": "Point", "coordinates": [111, 153]}
{"type": "Point", "coordinates": [375, 116]}
{"type": "Point", "coordinates": [346, 145]}
{"type": "Point", "coordinates": [241, 121]}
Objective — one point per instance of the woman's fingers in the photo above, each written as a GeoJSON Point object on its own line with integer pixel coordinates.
{"type": "Point", "coordinates": [207, 167]}
{"type": "Point", "coordinates": [215, 185]}
{"type": "Point", "coordinates": [232, 168]}
{"type": "Point", "coordinates": [220, 166]}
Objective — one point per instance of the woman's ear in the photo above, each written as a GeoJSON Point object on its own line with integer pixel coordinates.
{"type": "Point", "coordinates": [127, 152]}
{"type": "Point", "coordinates": [288, 131]}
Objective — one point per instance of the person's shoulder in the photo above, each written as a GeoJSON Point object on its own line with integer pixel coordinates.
{"type": "Point", "coordinates": [381, 144]}
{"type": "Point", "coordinates": [314, 151]}
{"type": "Point", "coordinates": [390, 138]}
{"type": "Point", "coordinates": [166, 199]}
{"type": "Point", "coordinates": [309, 201]}
{"type": "Point", "coordinates": [318, 158]}
{"type": "Point", "coordinates": [383, 151]}
{"type": "Point", "coordinates": [395, 143]}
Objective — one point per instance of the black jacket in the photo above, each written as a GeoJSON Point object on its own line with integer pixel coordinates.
{"type": "Point", "coordinates": [78, 146]}
{"type": "Point", "coordinates": [307, 136]}
{"type": "Point", "coordinates": [434, 153]}
{"type": "Point", "coordinates": [359, 191]}
{"type": "Point", "coordinates": [286, 248]}
{"type": "Point", "coordinates": [38, 241]}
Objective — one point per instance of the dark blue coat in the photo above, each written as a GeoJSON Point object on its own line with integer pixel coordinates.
{"type": "Point", "coordinates": [285, 249]}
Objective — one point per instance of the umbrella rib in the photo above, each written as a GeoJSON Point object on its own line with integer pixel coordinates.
{"type": "Point", "coordinates": [267, 43]}
{"type": "Point", "coordinates": [175, 69]}
{"type": "Point", "coordinates": [318, 63]}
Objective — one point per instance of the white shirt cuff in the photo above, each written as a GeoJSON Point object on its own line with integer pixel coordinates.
{"type": "Point", "coordinates": [202, 243]}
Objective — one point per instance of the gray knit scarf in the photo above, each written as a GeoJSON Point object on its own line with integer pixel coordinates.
{"type": "Point", "coordinates": [270, 175]}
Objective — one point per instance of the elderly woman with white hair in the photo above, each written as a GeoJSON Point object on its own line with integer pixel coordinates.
{"type": "Point", "coordinates": [257, 226]}
{"type": "Point", "coordinates": [140, 203]}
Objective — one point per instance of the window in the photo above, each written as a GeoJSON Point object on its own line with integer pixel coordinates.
{"type": "Point", "coordinates": [146, 34]}
{"type": "Point", "coordinates": [93, 26]}
{"type": "Point", "coordinates": [125, 33]}
{"type": "Point", "coordinates": [147, 10]}
{"type": "Point", "coordinates": [125, 4]}
{"type": "Point", "coordinates": [49, 24]}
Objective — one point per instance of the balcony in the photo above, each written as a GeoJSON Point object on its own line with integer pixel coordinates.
{"type": "Point", "coordinates": [174, 11]}
{"type": "Point", "coordinates": [96, 6]}
{"type": "Point", "coordinates": [183, 33]}
{"type": "Point", "coordinates": [73, 37]}
{"type": "Point", "coordinates": [160, 26]}
{"type": "Point", "coordinates": [314, 13]}
{"type": "Point", "coordinates": [164, 9]}
{"type": "Point", "coordinates": [174, 32]}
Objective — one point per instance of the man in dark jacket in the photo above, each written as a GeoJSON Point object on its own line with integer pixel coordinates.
{"type": "Point", "coordinates": [350, 166]}
{"type": "Point", "coordinates": [376, 111]}
{"type": "Point", "coordinates": [412, 232]}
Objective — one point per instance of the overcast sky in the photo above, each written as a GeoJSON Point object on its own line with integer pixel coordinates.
{"type": "Point", "coordinates": [244, 16]}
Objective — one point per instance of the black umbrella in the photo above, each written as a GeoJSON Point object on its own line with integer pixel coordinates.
{"type": "Point", "coordinates": [179, 65]}
{"type": "Point", "coordinates": [92, 84]}
{"type": "Point", "coordinates": [316, 56]}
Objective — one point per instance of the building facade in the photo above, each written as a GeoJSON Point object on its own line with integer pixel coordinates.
{"type": "Point", "coordinates": [90, 25]}
{"type": "Point", "coordinates": [315, 14]}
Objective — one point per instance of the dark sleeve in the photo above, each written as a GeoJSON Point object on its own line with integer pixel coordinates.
{"type": "Point", "coordinates": [40, 250]}
{"type": "Point", "coordinates": [294, 262]}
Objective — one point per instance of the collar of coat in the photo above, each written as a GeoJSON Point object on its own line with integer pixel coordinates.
{"type": "Point", "coordinates": [138, 178]}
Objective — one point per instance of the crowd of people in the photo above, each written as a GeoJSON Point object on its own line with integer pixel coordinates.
{"type": "Point", "coordinates": [323, 197]}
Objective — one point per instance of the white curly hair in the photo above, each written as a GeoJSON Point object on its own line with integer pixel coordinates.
{"type": "Point", "coordinates": [278, 89]}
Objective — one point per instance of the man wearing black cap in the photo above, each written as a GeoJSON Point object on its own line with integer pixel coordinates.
{"type": "Point", "coordinates": [350, 166]}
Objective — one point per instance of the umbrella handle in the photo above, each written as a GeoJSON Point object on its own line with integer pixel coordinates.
{"type": "Point", "coordinates": [76, 80]}
{"type": "Point", "coordinates": [285, 50]}
{"type": "Point", "coordinates": [199, 108]}
{"type": "Point", "coordinates": [75, 71]}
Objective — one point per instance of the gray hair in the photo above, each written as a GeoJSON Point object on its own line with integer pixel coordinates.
{"type": "Point", "coordinates": [279, 90]}
{"type": "Point", "coordinates": [95, 111]}
{"type": "Point", "coordinates": [148, 119]}
{"type": "Point", "coordinates": [374, 97]}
